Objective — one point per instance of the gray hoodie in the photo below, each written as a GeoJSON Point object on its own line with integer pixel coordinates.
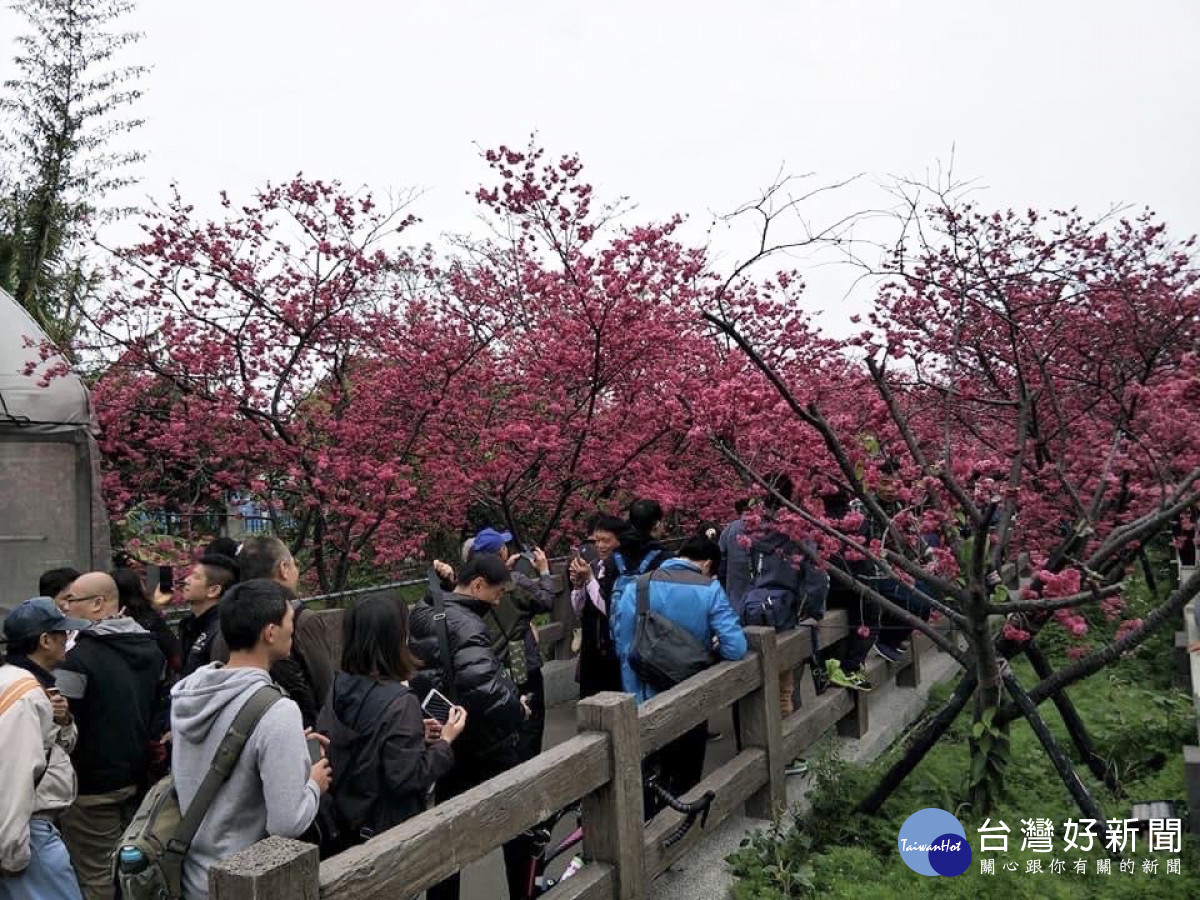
{"type": "Point", "coordinates": [269, 791]}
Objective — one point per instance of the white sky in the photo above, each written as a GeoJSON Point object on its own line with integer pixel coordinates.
{"type": "Point", "coordinates": [683, 106]}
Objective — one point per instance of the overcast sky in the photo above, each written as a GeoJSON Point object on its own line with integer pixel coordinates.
{"type": "Point", "coordinates": [683, 106]}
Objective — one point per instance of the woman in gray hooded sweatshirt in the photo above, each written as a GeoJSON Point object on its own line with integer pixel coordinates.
{"type": "Point", "coordinates": [274, 789]}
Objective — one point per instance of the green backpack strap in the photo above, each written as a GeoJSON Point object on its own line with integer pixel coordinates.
{"type": "Point", "coordinates": [225, 759]}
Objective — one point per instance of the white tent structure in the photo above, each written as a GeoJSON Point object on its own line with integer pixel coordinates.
{"type": "Point", "coordinates": [51, 512]}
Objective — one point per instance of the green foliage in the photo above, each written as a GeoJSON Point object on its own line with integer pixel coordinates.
{"type": "Point", "coordinates": [990, 755]}
{"type": "Point", "coordinates": [775, 864]}
{"type": "Point", "coordinates": [1136, 719]}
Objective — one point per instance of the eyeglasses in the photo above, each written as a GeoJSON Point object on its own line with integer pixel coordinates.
{"type": "Point", "coordinates": [71, 600]}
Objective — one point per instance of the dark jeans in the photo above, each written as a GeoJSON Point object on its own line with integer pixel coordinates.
{"type": "Point", "coordinates": [893, 631]}
{"type": "Point", "coordinates": [679, 766]}
{"type": "Point", "coordinates": [529, 740]}
{"type": "Point", "coordinates": [858, 612]}
{"type": "Point", "coordinates": [598, 672]}
{"type": "Point", "coordinates": [467, 774]}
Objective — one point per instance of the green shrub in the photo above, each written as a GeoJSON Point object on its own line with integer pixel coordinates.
{"type": "Point", "coordinates": [1136, 720]}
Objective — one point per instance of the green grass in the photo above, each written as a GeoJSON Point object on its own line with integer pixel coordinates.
{"type": "Point", "coordinates": [1136, 719]}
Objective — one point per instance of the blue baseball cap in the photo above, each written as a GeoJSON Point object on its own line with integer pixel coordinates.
{"type": "Point", "coordinates": [36, 617]}
{"type": "Point", "coordinates": [490, 540]}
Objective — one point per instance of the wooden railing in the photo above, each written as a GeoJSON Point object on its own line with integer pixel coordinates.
{"type": "Point", "coordinates": [602, 767]}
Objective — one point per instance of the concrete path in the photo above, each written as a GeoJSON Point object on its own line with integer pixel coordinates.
{"type": "Point", "coordinates": [703, 873]}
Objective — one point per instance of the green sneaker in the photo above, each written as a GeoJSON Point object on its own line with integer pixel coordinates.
{"type": "Point", "coordinates": [860, 680]}
{"type": "Point", "coordinates": [851, 681]}
{"type": "Point", "coordinates": [796, 767]}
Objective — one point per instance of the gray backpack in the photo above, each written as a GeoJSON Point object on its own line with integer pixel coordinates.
{"type": "Point", "coordinates": [664, 654]}
{"type": "Point", "coordinates": [148, 864]}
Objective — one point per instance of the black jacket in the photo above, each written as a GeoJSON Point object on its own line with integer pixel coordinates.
{"type": "Point", "coordinates": [168, 643]}
{"type": "Point", "coordinates": [199, 633]}
{"type": "Point", "coordinates": [382, 767]}
{"type": "Point", "coordinates": [483, 687]}
{"type": "Point", "coordinates": [113, 680]}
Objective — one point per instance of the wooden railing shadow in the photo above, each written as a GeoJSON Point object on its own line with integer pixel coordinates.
{"type": "Point", "coordinates": [602, 767]}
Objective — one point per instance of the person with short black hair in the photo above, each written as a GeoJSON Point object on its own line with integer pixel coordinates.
{"type": "Point", "coordinates": [385, 753]}
{"type": "Point", "coordinates": [685, 591]}
{"type": "Point", "coordinates": [645, 517]}
{"type": "Point", "coordinates": [769, 563]}
{"type": "Point", "coordinates": [56, 582]}
{"type": "Point", "coordinates": [474, 678]}
{"type": "Point", "coordinates": [510, 625]}
{"type": "Point", "coordinates": [307, 674]}
{"type": "Point", "coordinates": [222, 546]}
{"type": "Point", "coordinates": [592, 577]}
{"type": "Point", "coordinates": [274, 788]}
{"type": "Point", "coordinates": [205, 585]}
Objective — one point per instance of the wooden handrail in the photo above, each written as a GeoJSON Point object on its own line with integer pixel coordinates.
{"type": "Point", "coordinates": [600, 767]}
{"type": "Point", "coordinates": [422, 851]}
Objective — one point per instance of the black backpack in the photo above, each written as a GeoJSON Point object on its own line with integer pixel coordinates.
{"type": "Point", "coordinates": [345, 819]}
{"type": "Point", "coordinates": [664, 654]}
{"type": "Point", "coordinates": [769, 601]}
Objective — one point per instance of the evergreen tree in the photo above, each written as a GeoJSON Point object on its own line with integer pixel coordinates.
{"type": "Point", "coordinates": [61, 112]}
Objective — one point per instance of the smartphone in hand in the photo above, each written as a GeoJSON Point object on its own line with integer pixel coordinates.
{"type": "Point", "coordinates": [315, 752]}
{"type": "Point", "coordinates": [437, 706]}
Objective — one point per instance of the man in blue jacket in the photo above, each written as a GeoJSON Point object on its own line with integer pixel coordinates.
{"type": "Point", "coordinates": [703, 611]}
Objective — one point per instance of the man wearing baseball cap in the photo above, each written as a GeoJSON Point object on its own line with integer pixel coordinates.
{"type": "Point", "coordinates": [510, 625]}
{"type": "Point", "coordinates": [35, 769]}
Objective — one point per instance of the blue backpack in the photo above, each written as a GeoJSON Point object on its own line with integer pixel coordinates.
{"type": "Point", "coordinates": [627, 576]}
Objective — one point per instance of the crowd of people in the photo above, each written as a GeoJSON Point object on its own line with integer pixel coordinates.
{"type": "Point", "coordinates": [99, 697]}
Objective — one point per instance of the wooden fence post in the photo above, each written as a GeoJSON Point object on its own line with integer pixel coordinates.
{"type": "Point", "coordinates": [1182, 660]}
{"type": "Point", "coordinates": [1191, 783]}
{"type": "Point", "coordinates": [762, 726]}
{"type": "Point", "coordinates": [910, 675]}
{"type": "Point", "coordinates": [613, 816]}
{"type": "Point", "coordinates": [273, 869]}
{"type": "Point", "coordinates": [856, 722]}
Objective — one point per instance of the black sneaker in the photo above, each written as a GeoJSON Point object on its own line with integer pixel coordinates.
{"type": "Point", "coordinates": [891, 654]}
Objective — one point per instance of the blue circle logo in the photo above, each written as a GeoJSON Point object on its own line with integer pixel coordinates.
{"type": "Point", "coordinates": [933, 842]}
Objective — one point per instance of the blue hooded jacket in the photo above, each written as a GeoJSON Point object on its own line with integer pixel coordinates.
{"type": "Point", "coordinates": [703, 611]}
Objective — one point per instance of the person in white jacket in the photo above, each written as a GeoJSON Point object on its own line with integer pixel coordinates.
{"type": "Point", "coordinates": [37, 780]}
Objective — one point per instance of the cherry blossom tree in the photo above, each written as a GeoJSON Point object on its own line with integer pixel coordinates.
{"type": "Point", "coordinates": [604, 337]}
{"type": "Point", "coordinates": [293, 349]}
{"type": "Point", "coordinates": [1032, 379]}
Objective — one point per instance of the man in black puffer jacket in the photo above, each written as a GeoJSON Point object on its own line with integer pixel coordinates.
{"type": "Point", "coordinates": [477, 681]}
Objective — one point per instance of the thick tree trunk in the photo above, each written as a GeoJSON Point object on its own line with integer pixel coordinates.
{"type": "Point", "coordinates": [1075, 727]}
{"type": "Point", "coordinates": [922, 742]}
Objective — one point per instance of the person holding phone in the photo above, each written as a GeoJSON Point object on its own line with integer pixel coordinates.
{"type": "Point", "coordinates": [274, 788]}
{"type": "Point", "coordinates": [386, 753]}
{"type": "Point", "coordinates": [475, 677]}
